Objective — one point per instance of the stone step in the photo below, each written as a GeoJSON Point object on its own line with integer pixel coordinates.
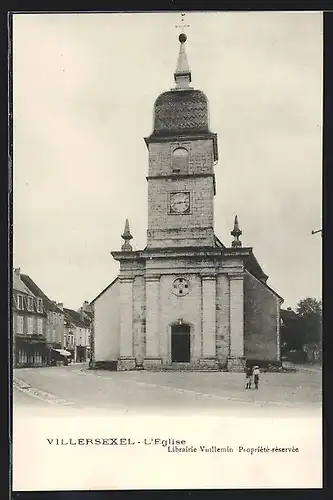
{"type": "Point", "coordinates": [187, 367]}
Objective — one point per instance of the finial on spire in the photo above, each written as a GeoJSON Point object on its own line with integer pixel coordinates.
{"type": "Point", "coordinates": [236, 232]}
{"type": "Point", "coordinates": [182, 25]}
{"type": "Point", "coordinates": [126, 236]}
{"type": "Point", "coordinates": [182, 74]}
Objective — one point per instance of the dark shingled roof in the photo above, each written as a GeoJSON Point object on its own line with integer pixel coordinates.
{"type": "Point", "coordinates": [181, 112]}
{"type": "Point", "coordinates": [75, 317]}
{"type": "Point", "coordinates": [48, 303]}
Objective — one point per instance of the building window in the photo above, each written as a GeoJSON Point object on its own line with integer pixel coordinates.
{"type": "Point", "coordinates": [20, 302]}
{"type": "Point", "coordinates": [30, 326]}
{"type": "Point", "coordinates": [38, 357]}
{"type": "Point", "coordinates": [180, 161]}
{"type": "Point", "coordinates": [39, 326]}
{"type": "Point", "coordinates": [30, 304]}
{"type": "Point", "coordinates": [19, 324]}
{"type": "Point", "coordinates": [39, 305]}
{"type": "Point", "coordinates": [23, 358]}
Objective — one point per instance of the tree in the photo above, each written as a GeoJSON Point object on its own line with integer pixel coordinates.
{"type": "Point", "coordinates": [290, 332]}
{"type": "Point", "coordinates": [301, 330]}
{"type": "Point", "coordinates": [309, 313]}
{"type": "Point", "coordinates": [309, 306]}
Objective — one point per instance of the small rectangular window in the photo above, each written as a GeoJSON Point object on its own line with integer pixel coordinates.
{"type": "Point", "coordinates": [30, 326]}
{"type": "Point", "coordinates": [39, 326]}
{"type": "Point", "coordinates": [39, 305]}
{"type": "Point", "coordinates": [19, 302]}
{"type": "Point", "coordinates": [30, 304]}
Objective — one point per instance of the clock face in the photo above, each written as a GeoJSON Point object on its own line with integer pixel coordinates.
{"type": "Point", "coordinates": [179, 203]}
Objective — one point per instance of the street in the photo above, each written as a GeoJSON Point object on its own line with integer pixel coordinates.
{"type": "Point", "coordinates": [75, 389]}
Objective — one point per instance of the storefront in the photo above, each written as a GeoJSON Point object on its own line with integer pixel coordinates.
{"type": "Point", "coordinates": [30, 352]}
{"type": "Point", "coordinates": [60, 357]}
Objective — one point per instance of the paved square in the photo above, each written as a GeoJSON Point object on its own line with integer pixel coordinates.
{"type": "Point", "coordinates": [76, 388]}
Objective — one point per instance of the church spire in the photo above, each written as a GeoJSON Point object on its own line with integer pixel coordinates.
{"type": "Point", "coordinates": [126, 236]}
{"type": "Point", "coordinates": [182, 74]}
{"type": "Point", "coordinates": [236, 232]}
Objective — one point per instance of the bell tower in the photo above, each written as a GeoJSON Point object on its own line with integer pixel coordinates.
{"type": "Point", "coordinates": [186, 301]}
{"type": "Point", "coordinates": [182, 156]}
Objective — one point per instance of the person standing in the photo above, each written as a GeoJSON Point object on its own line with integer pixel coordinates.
{"type": "Point", "coordinates": [248, 373]}
{"type": "Point", "coordinates": [256, 373]}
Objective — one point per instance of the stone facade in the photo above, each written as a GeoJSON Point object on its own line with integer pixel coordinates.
{"type": "Point", "coordinates": [195, 227]}
{"type": "Point", "coordinates": [262, 321]}
{"type": "Point", "coordinates": [186, 301]}
{"type": "Point", "coordinates": [232, 316]}
{"type": "Point", "coordinates": [106, 331]}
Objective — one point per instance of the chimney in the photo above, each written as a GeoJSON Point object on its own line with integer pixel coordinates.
{"type": "Point", "coordinates": [60, 305]}
{"type": "Point", "coordinates": [86, 306]}
{"type": "Point", "coordinates": [17, 271]}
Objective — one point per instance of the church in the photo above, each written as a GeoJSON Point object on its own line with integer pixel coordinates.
{"type": "Point", "coordinates": [186, 301]}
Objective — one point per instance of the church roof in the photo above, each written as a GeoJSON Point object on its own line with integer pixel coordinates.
{"type": "Point", "coordinates": [218, 242]}
{"type": "Point", "coordinates": [182, 111]}
{"type": "Point", "coordinates": [267, 286]}
{"type": "Point", "coordinates": [253, 266]}
{"type": "Point", "coordinates": [103, 291]}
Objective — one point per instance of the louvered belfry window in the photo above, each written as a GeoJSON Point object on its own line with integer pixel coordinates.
{"type": "Point", "coordinates": [180, 161]}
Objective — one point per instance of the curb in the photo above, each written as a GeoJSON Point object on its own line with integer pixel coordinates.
{"type": "Point", "coordinates": [47, 397]}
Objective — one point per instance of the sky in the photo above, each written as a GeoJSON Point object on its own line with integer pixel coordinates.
{"type": "Point", "coordinates": [84, 86]}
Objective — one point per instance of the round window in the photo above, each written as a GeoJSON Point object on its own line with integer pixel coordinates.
{"type": "Point", "coordinates": [180, 287]}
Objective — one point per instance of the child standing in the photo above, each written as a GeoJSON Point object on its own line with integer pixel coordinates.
{"type": "Point", "coordinates": [256, 373]}
{"type": "Point", "coordinates": [248, 372]}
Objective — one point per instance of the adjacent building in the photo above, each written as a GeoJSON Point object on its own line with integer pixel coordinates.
{"type": "Point", "coordinates": [87, 316]}
{"type": "Point", "coordinates": [76, 335]}
{"type": "Point", "coordinates": [54, 319]}
{"type": "Point", "coordinates": [29, 320]}
{"type": "Point", "coordinates": [187, 300]}
{"type": "Point", "coordinates": [43, 329]}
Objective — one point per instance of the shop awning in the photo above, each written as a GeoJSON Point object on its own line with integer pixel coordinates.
{"type": "Point", "coordinates": [63, 352]}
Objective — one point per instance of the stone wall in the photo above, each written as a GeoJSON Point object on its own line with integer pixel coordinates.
{"type": "Point", "coordinates": [196, 227]}
{"type": "Point", "coordinates": [260, 321]}
{"type": "Point", "coordinates": [200, 157]}
{"type": "Point", "coordinates": [223, 319]}
{"type": "Point", "coordinates": [139, 319]}
{"type": "Point", "coordinates": [106, 325]}
{"type": "Point", "coordinates": [173, 308]}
